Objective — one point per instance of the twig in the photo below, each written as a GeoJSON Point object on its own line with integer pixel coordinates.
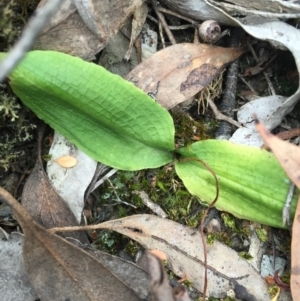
{"type": "Point", "coordinates": [161, 34]}
{"type": "Point", "coordinates": [247, 84]}
{"type": "Point", "coordinates": [221, 116]}
{"type": "Point", "coordinates": [154, 207]}
{"type": "Point", "coordinates": [170, 12]}
{"type": "Point", "coordinates": [100, 169]}
{"type": "Point", "coordinates": [289, 134]}
{"type": "Point", "coordinates": [32, 30]}
{"type": "Point", "coordinates": [164, 23]}
{"type": "Point", "coordinates": [118, 199]}
{"type": "Point", "coordinates": [104, 178]}
{"type": "Point", "coordinates": [229, 101]}
{"type": "Point", "coordinates": [264, 72]}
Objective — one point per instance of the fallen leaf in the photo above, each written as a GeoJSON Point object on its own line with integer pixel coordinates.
{"type": "Point", "coordinates": [138, 20]}
{"type": "Point", "coordinates": [43, 203]}
{"type": "Point", "coordinates": [87, 30]}
{"type": "Point", "coordinates": [105, 18]}
{"type": "Point", "coordinates": [66, 161]}
{"type": "Point", "coordinates": [72, 272]}
{"type": "Point", "coordinates": [69, 35]}
{"type": "Point", "coordinates": [14, 282]}
{"type": "Point", "coordinates": [129, 273]}
{"type": "Point", "coordinates": [198, 10]}
{"type": "Point", "coordinates": [70, 185]}
{"type": "Point", "coordinates": [184, 250]}
{"type": "Point", "coordinates": [295, 261]}
{"type": "Point", "coordinates": [161, 291]}
{"type": "Point", "coordinates": [178, 72]}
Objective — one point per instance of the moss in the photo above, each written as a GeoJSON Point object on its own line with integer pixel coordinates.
{"type": "Point", "coordinates": [229, 221]}
{"type": "Point", "coordinates": [188, 130]}
{"type": "Point", "coordinates": [273, 290]}
{"type": "Point", "coordinates": [262, 234]}
{"type": "Point", "coordinates": [16, 125]}
{"type": "Point", "coordinates": [245, 255]}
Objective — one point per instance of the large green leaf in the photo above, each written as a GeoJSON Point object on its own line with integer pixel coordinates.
{"type": "Point", "coordinates": [105, 116]}
{"type": "Point", "coordinates": [253, 186]}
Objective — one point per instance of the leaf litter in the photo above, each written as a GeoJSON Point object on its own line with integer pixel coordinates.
{"type": "Point", "coordinates": [43, 203]}
{"type": "Point", "coordinates": [72, 272]}
{"type": "Point", "coordinates": [184, 250]}
{"type": "Point", "coordinates": [180, 71]}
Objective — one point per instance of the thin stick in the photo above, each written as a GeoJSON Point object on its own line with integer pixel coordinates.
{"type": "Point", "coordinates": [164, 23]}
{"type": "Point", "coordinates": [264, 72]}
{"type": "Point", "coordinates": [170, 12]}
{"type": "Point", "coordinates": [221, 116]}
{"type": "Point", "coordinates": [32, 30]}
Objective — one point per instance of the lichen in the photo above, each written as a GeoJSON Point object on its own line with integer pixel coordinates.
{"type": "Point", "coordinates": [8, 106]}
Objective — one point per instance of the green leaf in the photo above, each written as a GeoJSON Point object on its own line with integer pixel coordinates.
{"type": "Point", "coordinates": [253, 186]}
{"type": "Point", "coordinates": [103, 115]}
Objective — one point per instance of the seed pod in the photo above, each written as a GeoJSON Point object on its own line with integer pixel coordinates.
{"type": "Point", "coordinates": [209, 31]}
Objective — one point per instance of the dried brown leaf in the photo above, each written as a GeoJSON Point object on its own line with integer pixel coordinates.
{"type": "Point", "coordinates": [184, 249]}
{"type": "Point", "coordinates": [44, 204]}
{"type": "Point", "coordinates": [295, 262]}
{"type": "Point", "coordinates": [178, 72]}
{"type": "Point", "coordinates": [59, 270]}
{"type": "Point", "coordinates": [161, 291]}
{"type": "Point", "coordinates": [84, 38]}
{"type": "Point", "coordinates": [138, 20]}
{"type": "Point", "coordinates": [131, 274]}
{"type": "Point", "coordinates": [70, 36]}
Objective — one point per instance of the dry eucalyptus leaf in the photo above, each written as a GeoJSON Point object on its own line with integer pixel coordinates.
{"type": "Point", "coordinates": [14, 282]}
{"type": "Point", "coordinates": [178, 72]}
{"type": "Point", "coordinates": [180, 294]}
{"type": "Point", "coordinates": [67, 33]}
{"type": "Point", "coordinates": [161, 291]}
{"type": "Point", "coordinates": [267, 9]}
{"type": "Point", "coordinates": [138, 20]}
{"type": "Point", "coordinates": [58, 270]}
{"type": "Point", "coordinates": [43, 203]}
{"type": "Point", "coordinates": [70, 34]}
{"type": "Point", "coordinates": [295, 262]}
{"type": "Point", "coordinates": [184, 250]}
{"type": "Point", "coordinates": [105, 18]}
{"type": "Point", "coordinates": [65, 10]}
{"type": "Point", "coordinates": [197, 10]}
{"type": "Point", "coordinates": [70, 184]}
{"type": "Point", "coordinates": [132, 275]}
